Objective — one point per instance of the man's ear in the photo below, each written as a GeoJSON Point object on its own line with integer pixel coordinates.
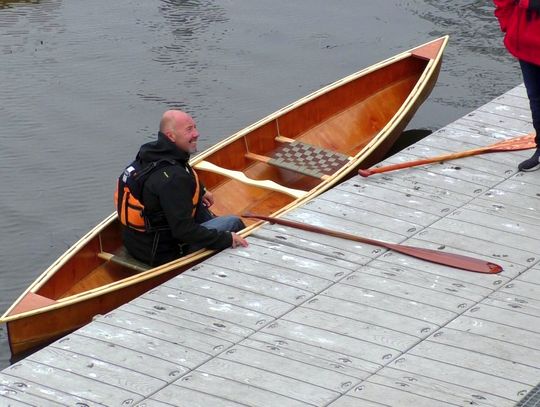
{"type": "Point", "coordinates": [170, 135]}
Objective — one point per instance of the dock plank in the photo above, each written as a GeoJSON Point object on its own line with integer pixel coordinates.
{"type": "Point", "coordinates": [223, 275]}
{"type": "Point", "coordinates": [313, 354]}
{"type": "Point", "coordinates": [463, 376]}
{"type": "Point", "coordinates": [293, 389]}
{"type": "Point", "coordinates": [363, 217]}
{"type": "Point", "coordinates": [502, 332]}
{"type": "Point", "coordinates": [374, 391]}
{"type": "Point", "coordinates": [138, 341]}
{"type": "Point", "coordinates": [80, 389]}
{"type": "Point", "coordinates": [176, 396]}
{"type": "Point", "coordinates": [169, 315]}
{"type": "Point", "coordinates": [391, 303]}
{"type": "Point", "coordinates": [369, 333]}
{"type": "Point", "coordinates": [348, 250]}
{"type": "Point", "coordinates": [433, 199]}
{"type": "Point", "coordinates": [109, 354]}
{"type": "Point", "coordinates": [369, 315]}
{"type": "Point", "coordinates": [508, 317]}
{"type": "Point", "coordinates": [176, 334]}
{"type": "Point", "coordinates": [230, 295]}
{"type": "Point", "coordinates": [15, 397]}
{"type": "Point", "coordinates": [298, 260]}
{"type": "Point", "coordinates": [519, 355]}
{"type": "Point", "coordinates": [365, 225]}
{"type": "Point", "coordinates": [531, 276]}
{"type": "Point", "coordinates": [471, 360]}
{"type": "Point", "coordinates": [438, 389]}
{"type": "Point", "coordinates": [97, 369]}
{"type": "Point", "coordinates": [434, 282]}
{"type": "Point", "coordinates": [348, 401]}
{"type": "Point", "coordinates": [341, 369]}
{"type": "Point", "coordinates": [331, 341]}
{"type": "Point", "coordinates": [326, 378]}
{"type": "Point", "coordinates": [404, 209]}
{"type": "Point", "coordinates": [203, 307]}
{"type": "Point", "coordinates": [273, 272]}
{"type": "Point", "coordinates": [409, 292]}
{"type": "Point", "coordinates": [241, 392]}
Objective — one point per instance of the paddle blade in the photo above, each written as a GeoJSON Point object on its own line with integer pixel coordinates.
{"type": "Point", "coordinates": [448, 259]}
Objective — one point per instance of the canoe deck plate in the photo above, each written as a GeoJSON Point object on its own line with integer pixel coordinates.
{"type": "Point", "coordinates": [307, 159]}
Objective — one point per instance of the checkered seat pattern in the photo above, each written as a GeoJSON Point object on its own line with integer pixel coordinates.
{"type": "Point", "coordinates": [307, 159]}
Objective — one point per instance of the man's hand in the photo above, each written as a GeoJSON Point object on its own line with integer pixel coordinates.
{"type": "Point", "coordinates": [208, 199]}
{"type": "Point", "coordinates": [238, 240]}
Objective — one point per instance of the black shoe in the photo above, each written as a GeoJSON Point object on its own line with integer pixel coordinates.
{"type": "Point", "coordinates": [532, 163]}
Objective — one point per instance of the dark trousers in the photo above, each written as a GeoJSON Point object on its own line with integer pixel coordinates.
{"type": "Point", "coordinates": [531, 79]}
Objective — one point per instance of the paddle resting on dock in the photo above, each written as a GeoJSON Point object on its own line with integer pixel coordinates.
{"type": "Point", "coordinates": [434, 256]}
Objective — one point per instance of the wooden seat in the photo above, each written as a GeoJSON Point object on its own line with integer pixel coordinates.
{"type": "Point", "coordinates": [303, 158]}
{"type": "Point", "coordinates": [122, 257]}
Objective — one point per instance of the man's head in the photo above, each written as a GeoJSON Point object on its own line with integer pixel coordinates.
{"type": "Point", "coordinates": [180, 128]}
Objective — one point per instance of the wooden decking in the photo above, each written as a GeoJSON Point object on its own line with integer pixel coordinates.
{"type": "Point", "coordinates": [300, 319]}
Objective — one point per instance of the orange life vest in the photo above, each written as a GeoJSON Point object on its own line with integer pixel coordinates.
{"type": "Point", "coordinates": [128, 195]}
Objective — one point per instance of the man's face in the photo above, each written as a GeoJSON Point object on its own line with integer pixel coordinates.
{"type": "Point", "coordinates": [186, 134]}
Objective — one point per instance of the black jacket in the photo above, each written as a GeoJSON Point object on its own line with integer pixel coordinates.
{"type": "Point", "coordinates": [168, 193]}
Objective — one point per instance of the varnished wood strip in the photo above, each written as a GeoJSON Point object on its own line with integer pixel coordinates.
{"type": "Point", "coordinates": [240, 176]}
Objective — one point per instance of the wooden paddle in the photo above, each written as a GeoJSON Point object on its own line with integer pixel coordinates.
{"type": "Point", "coordinates": [434, 256]}
{"type": "Point", "coordinates": [513, 144]}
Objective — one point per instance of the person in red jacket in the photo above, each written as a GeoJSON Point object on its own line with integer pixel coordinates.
{"type": "Point", "coordinates": [520, 21]}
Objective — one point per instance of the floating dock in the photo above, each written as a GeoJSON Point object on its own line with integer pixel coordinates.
{"type": "Point", "coordinates": [303, 319]}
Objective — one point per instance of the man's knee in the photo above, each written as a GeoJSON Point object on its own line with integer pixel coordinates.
{"type": "Point", "coordinates": [235, 224]}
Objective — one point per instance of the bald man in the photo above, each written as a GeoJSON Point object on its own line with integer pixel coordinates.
{"type": "Point", "coordinates": [176, 218]}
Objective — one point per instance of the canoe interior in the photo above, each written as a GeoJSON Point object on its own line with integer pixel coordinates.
{"type": "Point", "coordinates": [343, 120]}
{"type": "Point", "coordinates": [86, 270]}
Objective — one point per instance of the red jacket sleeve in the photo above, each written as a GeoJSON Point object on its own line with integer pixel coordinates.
{"type": "Point", "coordinates": [503, 11]}
{"type": "Point", "coordinates": [530, 4]}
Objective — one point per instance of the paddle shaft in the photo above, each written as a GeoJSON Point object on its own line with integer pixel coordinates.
{"type": "Point", "coordinates": [518, 143]}
{"type": "Point", "coordinates": [434, 256]}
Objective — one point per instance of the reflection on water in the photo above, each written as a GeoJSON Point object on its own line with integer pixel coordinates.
{"type": "Point", "coordinates": [476, 44]}
{"type": "Point", "coordinates": [85, 83]}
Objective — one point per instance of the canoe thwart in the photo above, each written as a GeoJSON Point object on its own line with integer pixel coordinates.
{"type": "Point", "coordinates": [122, 257]}
{"type": "Point", "coordinates": [240, 176]}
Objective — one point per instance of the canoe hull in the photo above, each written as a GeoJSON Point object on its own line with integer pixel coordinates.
{"type": "Point", "coordinates": [358, 117]}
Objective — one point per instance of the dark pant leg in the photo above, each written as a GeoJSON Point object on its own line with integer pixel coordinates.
{"type": "Point", "coordinates": [531, 79]}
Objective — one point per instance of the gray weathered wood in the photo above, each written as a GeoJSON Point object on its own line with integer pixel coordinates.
{"type": "Point", "coordinates": [304, 319]}
{"type": "Point", "coordinates": [67, 387]}
{"type": "Point", "coordinates": [463, 376]}
{"type": "Point", "coordinates": [391, 303]}
{"type": "Point", "coordinates": [438, 389]}
{"type": "Point", "coordinates": [302, 349]}
{"type": "Point", "coordinates": [380, 391]}
{"type": "Point", "coordinates": [519, 336]}
{"type": "Point", "coordinates": [253, 388]}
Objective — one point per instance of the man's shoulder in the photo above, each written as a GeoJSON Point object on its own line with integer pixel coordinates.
{"type": "Point", "coordinates": [170, 171]}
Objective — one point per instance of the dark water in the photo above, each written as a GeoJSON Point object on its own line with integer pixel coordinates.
{"type": "Point", "coordinates": [84, 83]}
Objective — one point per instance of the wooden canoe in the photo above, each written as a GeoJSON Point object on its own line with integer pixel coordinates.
{"type": "Point", "coordinates": [349, 123]}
